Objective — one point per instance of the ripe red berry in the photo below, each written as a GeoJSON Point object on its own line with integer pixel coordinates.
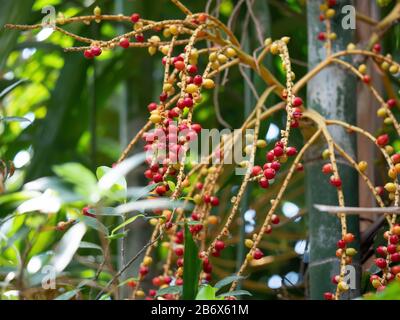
{"type": "Point", "coordinates": [278, 151]}
{"type": "Point", "coordinates": [196, 127]}
{"type": "Point", "coordinates": [297, 114]}
{"type": "Point", "coordinates": [143, 270]}
{"type": "Point", "coordinates": [341, 244]}
{"type": "Point", "coordinates": [377, 48]}
{"type": "Point", "coordinates": [152, 293]}
{"type": "Point", "coordinates": [124, 43]}
{"type": "Point", "coordinates": [391, 103]}
{"type": "Point", "coordinates": [294, 124]}
{"type": "Point", "coordinates": [336, 182]}
{"type": "Point", "coordinates": [392, 248]}
{"type": "Point", "coordinates": [214, 201]}
{"type": "Point", "coordinates": [188, 102]}
{"type": "Point", "coordinates": [394, 239]}
{"type": "Point", "coordinates": [395, 257]}
{"type": "Point", "coordinates": [382, 140]}
{"type": "Point", "coordinates": [321, 36]}
{"type": "Point", "coordinates": [163, 96]}
{"type": "Point", "coordinates": [380, 190]}
{"type": "Point", "coordinates": [135, 17]}
{"type": "Point", "coordinates": [299, 167]}
{"type": "Point", "coordinates": [257, 254]}
{"type": "Point", "coordinates": [157, 178]}
{"type": "Point", "coordinates": [332, 3]}
{"type": "Point", "coordinates": [396, 158]}
{"type": "Point", "coordinates": [148, 174]}
{"type": "Point", "coordinates": [192, 69]}
{"type": "Point", "coordinates": [139, 38]}
{"type": "Point", "coordinates": [275, 165]}
{"type": "Point", "coordinates": [207, 267]}
{"type": "Point", "coordinates": [179, 282]}
{"type": "Point", "coordinates": [207, 198]}
{"type": "Point", "coordinates": [382, 251]}
{"type": "Point", "coordinates": [270, 156]}
{"type": "Point", "coordinates": [275, 219]}
{"type": "Point", "coordinates": [160, 190]}
{"type": "Point", "coordinates": [167, 280]}
{"type": "Point", "coordinates": [297, 102]}
{"type": "Point", "coordinates": [367, 79]}
{"type": "Point", "coordinates": [152, 106]}
{"type": "Point", "coordinates": [381, 263]}
{"type": "Point", "coordinates": [327, 168]}
{"type": "Point", "coordinates": [88, 54]}
{"type": "Point", "coordinates": [219, 245]}
{"type": "Point", "coordinates": [179, 262]}
{"type": "Point", "coordinates": [96, 51]}
{"type": "Point", "coordinates": [131, 283]}
{"type": "Point", "coordinates": [198, 80]}
{"type": "Point", "coordinates": [329, 296]}
{"type": "Point", "coordinates": [269, 173]}
{"type": "Point", "coordinates": [263, 182]}
{"type": "Point", "coordinates": [256, 170]}
{"type": "Point", "coordinates": [291, 151]}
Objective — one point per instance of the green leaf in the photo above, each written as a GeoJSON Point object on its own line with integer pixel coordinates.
{"type": "Point", "coordinates": [67, 295]}
{"type": "Point", "coordinates": [171, 185]}
{"type": "Point", "coordinates": [206, 292]}
{"type": "Point", "coordinates": [75, 173]}
{"type": "Point", "coordinates": [191, 267]}
{"type": "Point", "coordinates": [14, 119]}
{"type": "Point", "coordinates": [89, 245]}
{"type": "Point", "coordinates": [119, 187]}
{"type": "Point", "coordinates": [117, 236]}
{"type": "Point", "coordinates": [114, 175]}
{"type": "Point", "coordinates": [68, 245]}
{"type": "Point", "coordinates": [104, 211]}
{"type": "Point", "coordinates": [235, 293]}
{"type": "Point", "coordinates": [125, 223]}
{"type": "Point", "coordinates": [392, 292]}
{"type": "Point", "coordinates": [95, 224]}
{"type": "Point", "coordinates": [227, 280]}
{"type": "Point", "coordinates": [169, 290]}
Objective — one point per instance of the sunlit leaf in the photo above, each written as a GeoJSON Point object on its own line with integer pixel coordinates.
{"type": "Point", "coordinates": [119, 171]}
{"type": "Point", "coordinates": [67, 246]}
{"type": "Point", "coordinates": [206, 292]}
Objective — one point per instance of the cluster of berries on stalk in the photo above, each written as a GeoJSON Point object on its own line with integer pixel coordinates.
{"type": "Point", "coordinates": [345, 252]}
{"type": "Point", "coordinates": [278, 154]}
{"type": "Point", "coordinates": [388, 260]}
{"type": "Point", "coordinates": [327, 12]}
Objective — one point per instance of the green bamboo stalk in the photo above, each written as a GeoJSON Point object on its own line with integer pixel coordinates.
{"type": "Point", "coordinates": [331, 93]}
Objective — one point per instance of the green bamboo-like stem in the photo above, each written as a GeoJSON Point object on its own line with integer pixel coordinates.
{"type": "Point", "coordinates": [331, 93]}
